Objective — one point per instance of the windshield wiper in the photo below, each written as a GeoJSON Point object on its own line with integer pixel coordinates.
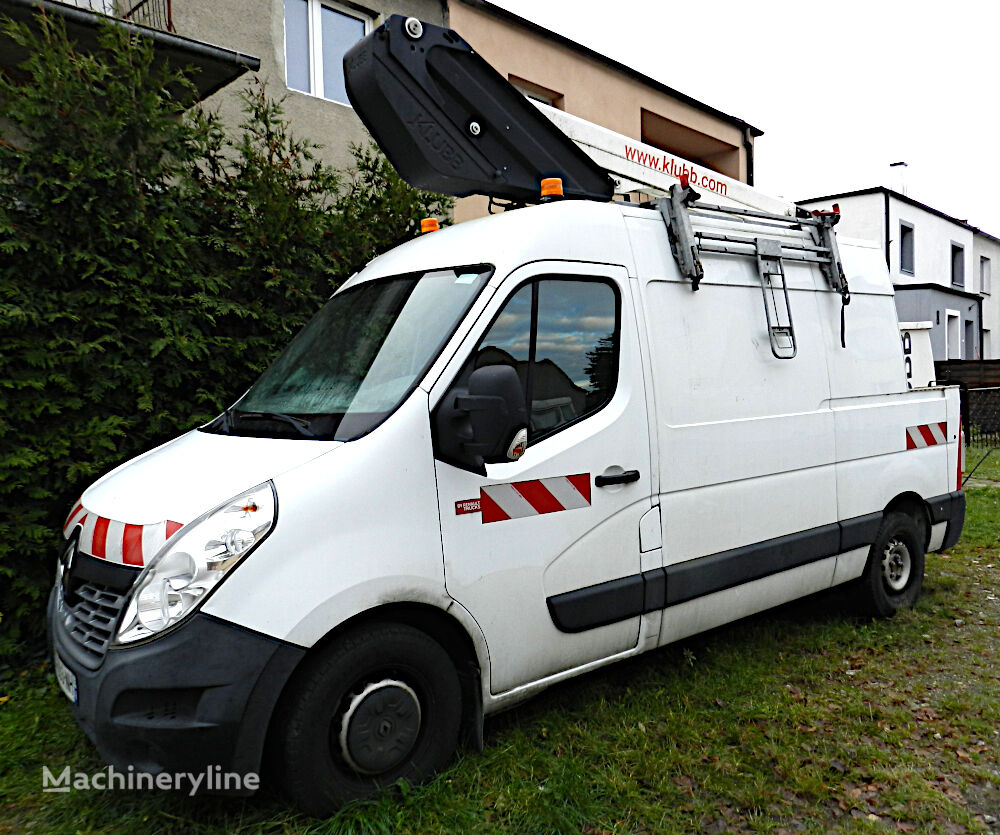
{"type": "Point", "coordinates": [302, 426]}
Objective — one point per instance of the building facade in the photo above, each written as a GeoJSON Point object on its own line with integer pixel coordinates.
{"type": "Point", "coordinates": [301, 43]}
{"type": "Point", "coordinates": [941, 267]}
{"type": "Point", "coordinates": [212, 68]}
{"type": "Point", "coordinates": [550, 68]}
{"type": "Point", "coordinates": [986, 259]}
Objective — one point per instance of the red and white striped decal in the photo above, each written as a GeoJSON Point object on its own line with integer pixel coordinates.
{"type": "Point", "coordinates": [76, 517]}
{"type": "Point", "coordinates": [519, 499]}
{"type": "Point", "coordinates": [927, 434]}
{"type": "Point", "coordinates": [118, 542]}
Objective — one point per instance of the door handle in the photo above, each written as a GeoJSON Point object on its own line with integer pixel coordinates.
{"type": "Point", "coordinates": [622, 478]}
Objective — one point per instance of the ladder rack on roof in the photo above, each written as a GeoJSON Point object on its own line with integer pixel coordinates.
{"type": "Point", "coordinates": [639, 168]}
{"type": "Point", "coordinates": [687, 245]}
{"type": "Point", "coordinates": [643, 169]}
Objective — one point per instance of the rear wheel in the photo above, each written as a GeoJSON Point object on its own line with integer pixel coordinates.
{"type": "Point", "coordinates": [895, 571]}
{"type": "Point", "coordinates": [381, 704]}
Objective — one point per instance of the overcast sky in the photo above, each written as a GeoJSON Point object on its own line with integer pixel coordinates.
{"type": "Point", "coordinates": [840, 88]}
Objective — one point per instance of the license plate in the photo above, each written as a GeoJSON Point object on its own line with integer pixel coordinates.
{"type": "Point", "coordinates": [66, 678]}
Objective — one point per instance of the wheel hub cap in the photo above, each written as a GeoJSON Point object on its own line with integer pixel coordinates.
{"type": "Point", "coordinates": [380, 727]}
{"type": "Point", "coordinates": [896, 565]}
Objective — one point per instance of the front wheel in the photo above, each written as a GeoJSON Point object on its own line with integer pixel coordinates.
{"type": "Point", "coordinates": [895, 570]}
{"type": "Point", "coordinates": [381, 704]}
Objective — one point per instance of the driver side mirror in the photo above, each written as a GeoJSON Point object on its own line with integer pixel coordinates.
{"type": "Point", "coordinates": [485, 422]}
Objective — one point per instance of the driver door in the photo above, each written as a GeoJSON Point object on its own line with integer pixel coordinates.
{"type": "Point", "coordinates": [544, 551]}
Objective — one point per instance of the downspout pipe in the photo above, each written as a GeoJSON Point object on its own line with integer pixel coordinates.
{"type": "Point", "coordinates": [888, 260]}
{"type": "Point", "coordinates": [748, 150]}
{"type": "Point", "coordinates": [980, 304]}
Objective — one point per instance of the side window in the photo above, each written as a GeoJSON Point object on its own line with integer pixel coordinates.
{"type": "Point", "coordinates": [561, 336]}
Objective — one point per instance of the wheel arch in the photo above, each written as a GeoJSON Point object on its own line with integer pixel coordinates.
{"type": "Point", "coordinates": [905, 522]}
{"type": "Point", "coordinates": [438, 624]}
{"type": "Point", "coordinates": [914, 506]}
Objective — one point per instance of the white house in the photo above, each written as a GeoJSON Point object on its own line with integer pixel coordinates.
{"type": "Point", "coordinates": [940, 266]}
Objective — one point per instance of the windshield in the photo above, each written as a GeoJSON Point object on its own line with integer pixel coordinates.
{"type": "Point", "coordinates": [357, 359]}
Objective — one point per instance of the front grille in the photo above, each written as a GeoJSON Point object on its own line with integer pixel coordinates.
{"type": "Point", "coordinates": [90, 612]}
{"type": "Point", "coordinates": [90, 594]}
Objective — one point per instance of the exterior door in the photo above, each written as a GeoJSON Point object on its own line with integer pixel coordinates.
{"type": "Point", "coordinates": [542, 552]}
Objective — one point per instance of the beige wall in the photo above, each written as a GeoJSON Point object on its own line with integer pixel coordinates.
{"type": "Point", "coordinates": [600, 94]}
{"type": "Point", "coordinates": [589, 89]}
{"type": "Point", "coordinates": [257, 27]}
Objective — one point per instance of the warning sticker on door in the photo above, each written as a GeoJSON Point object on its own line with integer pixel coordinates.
{"type": "Point", "coordinates": [518, 499]}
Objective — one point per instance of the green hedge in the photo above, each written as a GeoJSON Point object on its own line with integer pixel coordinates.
{"type": "Point", "coordinates": [152, 262]}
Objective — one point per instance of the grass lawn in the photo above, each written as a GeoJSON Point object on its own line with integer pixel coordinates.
{"type": "Point", "coordinates": [983, 461]}
{"type": "Point", "coordinates": [800, 719]}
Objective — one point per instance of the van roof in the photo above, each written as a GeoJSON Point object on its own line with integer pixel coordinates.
{"type": "Point", "coordinates": [566, 230]}
{"type": "Point", "coordinates": [571, 230]}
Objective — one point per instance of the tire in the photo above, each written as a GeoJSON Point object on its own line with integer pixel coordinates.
{"type": "Point", "coordinates": [381, 704]}
{"type": "Point", "coordinates": [895, 570]}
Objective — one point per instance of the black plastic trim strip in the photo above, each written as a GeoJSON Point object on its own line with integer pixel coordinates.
{"type": "Point", "coordinates": [655, 590]}
{"type": "Point", "coordinates": [650, 591]}
{"type": "Point", "coordinates": [717, 572]}
{"type": "Point", "coordinates": [940, 506]}
{"type": "Point", "coordinates": [598, 605]}
{"type": "Point", "coordinates": [949, 508]}
{"type": "Point", "coordinates": [859, 532]}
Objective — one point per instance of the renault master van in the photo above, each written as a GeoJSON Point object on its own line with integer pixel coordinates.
{"type": "Point", "coordinates": [504, 454]}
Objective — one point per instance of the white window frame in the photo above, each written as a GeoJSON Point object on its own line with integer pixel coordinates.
{"type": "Point", "coordinates": [952, 318]}
{"type": "Point", "coordinates": [314, 16]}
{"type": "Point", "coordinates": [957, 249]}
{"type": "Point", "coordinates": [985, 277]}
{"type": "Point", "coordinates": [907, 227]}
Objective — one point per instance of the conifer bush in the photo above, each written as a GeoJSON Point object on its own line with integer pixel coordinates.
{"type": "Point", "coordinates": [152, 262]}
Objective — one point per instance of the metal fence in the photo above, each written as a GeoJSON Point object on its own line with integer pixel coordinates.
{"type": "Point", "coordinates": [981, 416]}
{"type": "Point", "coordinates": [156, 14]}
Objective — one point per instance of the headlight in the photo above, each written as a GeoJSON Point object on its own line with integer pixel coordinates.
{"type": "Point", "coordinates": [184, 572]}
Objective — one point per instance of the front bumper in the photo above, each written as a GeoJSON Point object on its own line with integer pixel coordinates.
{"type": "Point", "coordinates": [198, 697]}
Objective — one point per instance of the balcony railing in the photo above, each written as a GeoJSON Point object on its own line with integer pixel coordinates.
{"type": "Point", "coordinates": [156, 14]}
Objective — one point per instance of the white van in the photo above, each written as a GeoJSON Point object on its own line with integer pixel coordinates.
{"type": "Point", "coordinates": [367, 553]}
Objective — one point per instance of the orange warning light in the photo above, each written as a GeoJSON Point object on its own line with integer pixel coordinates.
{"type": "Point", "coordinates": [429, 224]}
{"type": "Point", "coordinates": [552, 187]}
